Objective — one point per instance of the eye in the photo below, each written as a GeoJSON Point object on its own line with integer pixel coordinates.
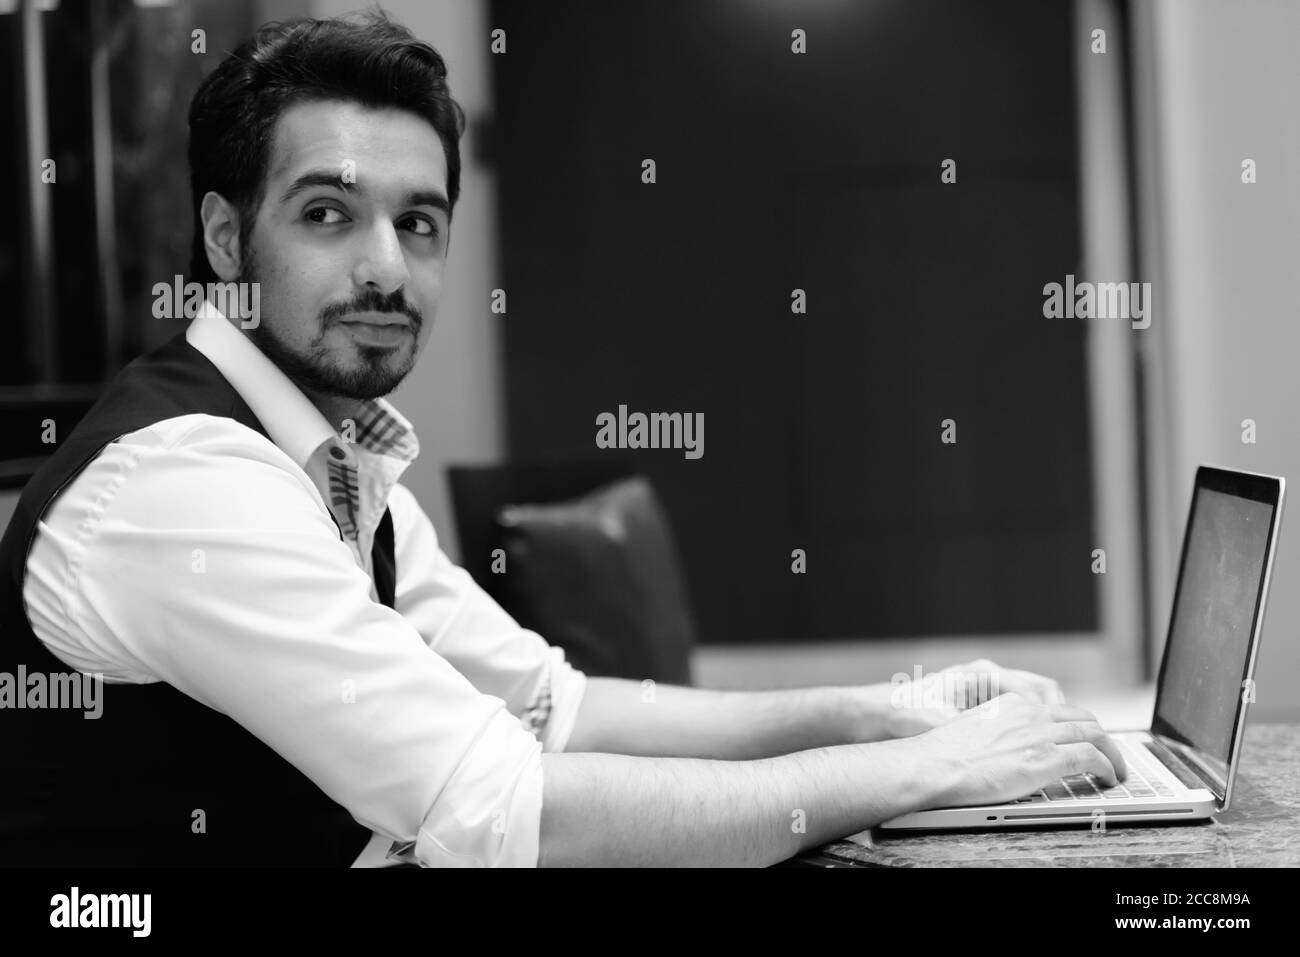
{"type": "Point", "coordinates": [325, 215]}
{"type": "Point", "coordinates": [423, 227]}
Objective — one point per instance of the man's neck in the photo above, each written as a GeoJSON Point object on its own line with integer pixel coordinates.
{"type": "Point", "coordinates": [336, 409]}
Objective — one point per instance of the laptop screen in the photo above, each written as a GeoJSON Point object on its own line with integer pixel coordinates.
{"type": "Point", "coordinates": [1218, 597]}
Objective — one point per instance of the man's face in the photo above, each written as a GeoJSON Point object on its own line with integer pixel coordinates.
{"type": "Point", "coordinates": [350, 273]}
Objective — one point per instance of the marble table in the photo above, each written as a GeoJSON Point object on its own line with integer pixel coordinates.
{"type": "Point", "coordinates": [1260, 829]}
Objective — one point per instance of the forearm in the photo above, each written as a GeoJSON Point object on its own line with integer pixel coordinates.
{"type": "Point", "coordinates": [608, 810]}
{"type": "Point", "coordinates": [618, 716]}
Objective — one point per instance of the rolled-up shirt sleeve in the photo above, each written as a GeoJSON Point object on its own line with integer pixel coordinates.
{"type": "Point", "coordinates": [211, 563]}
{"type": "Point", "coordinates": [466, 627]}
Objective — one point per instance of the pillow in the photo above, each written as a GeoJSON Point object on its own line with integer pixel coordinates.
{"type": "Point", "coordinates": [599, 577]}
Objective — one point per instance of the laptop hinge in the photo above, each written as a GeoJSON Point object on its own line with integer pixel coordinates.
{"type": "Point", "coordinates": [1182, 762]}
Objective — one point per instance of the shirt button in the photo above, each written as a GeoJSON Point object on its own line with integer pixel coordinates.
{"type": "Point", "coordinates": [337, 452]}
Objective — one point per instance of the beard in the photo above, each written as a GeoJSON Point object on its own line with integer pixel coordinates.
{"type": "Point", "coordinates": [321, 370]}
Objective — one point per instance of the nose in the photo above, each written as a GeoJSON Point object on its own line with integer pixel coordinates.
{"type": "Point", "coordinates": [381, 264]}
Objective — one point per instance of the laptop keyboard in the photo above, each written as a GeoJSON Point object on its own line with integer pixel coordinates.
{"type": "Point", "coordinates": [1144, 780]}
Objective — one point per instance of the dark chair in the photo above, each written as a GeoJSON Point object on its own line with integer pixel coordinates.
{"type": "Point", "coordinates": [586, 559]}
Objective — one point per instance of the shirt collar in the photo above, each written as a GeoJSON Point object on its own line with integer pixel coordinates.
{"type": "Point", "coordinates": [292, 420]}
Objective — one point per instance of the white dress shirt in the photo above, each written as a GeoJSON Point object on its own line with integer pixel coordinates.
{"type": "Point", "coordinates": [196, 552]}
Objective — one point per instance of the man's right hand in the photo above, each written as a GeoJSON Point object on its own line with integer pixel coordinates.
{"type": "Point", "coordinates": [1008, 747]}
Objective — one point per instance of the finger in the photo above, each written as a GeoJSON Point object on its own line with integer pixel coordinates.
{"type": "Point", "coordinates": [1090, 732]}
{"type": "Point", "coordinates": [1048, 689]}
{"type": "Point", "coordinates": [1034, 686]}
{"type": "Point", "coordinates": [1084, 758]}
{"type": "Point", "coordinates": [1106, 744]}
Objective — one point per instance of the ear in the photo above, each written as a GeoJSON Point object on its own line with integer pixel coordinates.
{"type": "Point", "coordinates": [221, 235]}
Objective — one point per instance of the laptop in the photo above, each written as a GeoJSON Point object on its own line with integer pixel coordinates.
{"type": "Point", "coordinates": [1182, 768]}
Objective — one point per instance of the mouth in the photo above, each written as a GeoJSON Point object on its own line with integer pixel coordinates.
{"type": "Point", "coordinates": [380, 334]}
{"type": "Point", "coordinates": [376, 319]}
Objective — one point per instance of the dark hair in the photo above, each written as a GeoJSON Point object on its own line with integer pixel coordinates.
{"type": "Point", "coordinates": [368, 59]}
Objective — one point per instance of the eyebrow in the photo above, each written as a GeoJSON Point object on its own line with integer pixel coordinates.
{"type": "Point", "coordinates": [333, 180]}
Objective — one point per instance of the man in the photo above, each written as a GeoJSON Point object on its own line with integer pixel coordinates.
{"type": "Point", "coordinates": [293, 670]}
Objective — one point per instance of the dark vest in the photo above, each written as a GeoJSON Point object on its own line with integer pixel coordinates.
{"type": "Point", "coordinates": [125, 788]}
